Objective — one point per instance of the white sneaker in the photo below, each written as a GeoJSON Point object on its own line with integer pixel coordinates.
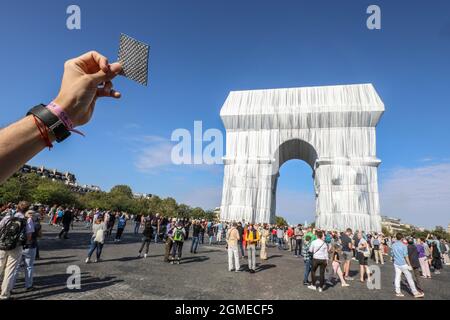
{"type": "Point", "coordinates": [87, 260]}
{"type": "Point", "coordinates": [320, 289]}
{"type": "Point", "coordinates": [312, 287]}
{"type": "Point", "coordinates": [145, 256]}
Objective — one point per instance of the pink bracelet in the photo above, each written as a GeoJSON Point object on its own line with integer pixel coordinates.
{"type": "Point", "coordinates": [59, 112]}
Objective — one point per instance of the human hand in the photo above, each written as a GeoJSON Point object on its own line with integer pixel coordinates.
{"type": "Point", "coordinates": [85, 79]}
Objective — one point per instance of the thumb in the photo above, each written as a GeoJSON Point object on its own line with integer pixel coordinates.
{"type": "Point", "coordinates": [102, 76]}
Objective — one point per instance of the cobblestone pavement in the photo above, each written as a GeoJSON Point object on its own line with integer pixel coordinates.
{"type": "Point", "coordinates": [122, 275]}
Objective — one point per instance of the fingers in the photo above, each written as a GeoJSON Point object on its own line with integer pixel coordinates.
{"type": "Point", "coordinates": [93, 58]}
{"type": "Point", "coordinates": [108, 91]}
{"type": "Point", "coordinates": [102, 76]}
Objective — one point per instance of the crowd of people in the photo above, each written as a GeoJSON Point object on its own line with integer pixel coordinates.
{"type": "Point", "coordinates": [328, 253]}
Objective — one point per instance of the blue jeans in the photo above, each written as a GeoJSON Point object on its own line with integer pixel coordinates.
{"type": "Point", "coordinates": [195, 242]}
{"type": "Point", "coordinates": [136, 227]}
{"type": "Point", "coordinates": [28, 256]}
{"type": "Point", "coordinates": [95, 245]}
{"type": "Point", "coordinates": [307, 270]}
{"type": "Point", "coordinates": [280, 243]}
{"type": "Point", "coordinates": [155, 233]}
{"type": "Point", "coordinates": [241, 246]}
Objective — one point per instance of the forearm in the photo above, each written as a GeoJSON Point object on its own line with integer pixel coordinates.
{"type": "Point", "coordinates": [19, 142]}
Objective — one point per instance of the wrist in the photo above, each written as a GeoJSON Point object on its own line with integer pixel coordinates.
{"type": "Point", "coordinates": [66, 104]}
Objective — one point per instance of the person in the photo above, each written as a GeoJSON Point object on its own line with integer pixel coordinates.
{"type": "Point", "coordinates": [232, 238]}
{"type": "Point", "coordinates": [196, 228]}
{"type": "Point", "coordinates": [319, 250]}
{"type": "Point", "coordinates": [413, 256]}
{"type": "Point", "coordinates": [66, 220]}
{"type": "Point", "coordinates": [377, 252]}
{"type": "Point", "coordinates": [14, 231]}
{"type": "Point", "coordinates": [219, 232]}
{"type": "Point", "coordinates": [402, 265]}
{"type": "Point", "coordinates": [147, 235]}
{"type": "Point", "coordinates": [362, 255]}
{"type": "Point", "coordinates": [423, 258]}
{"type": "Point", "coordinates": [280, 238]}
{"type": "Point", "coordinates": [347, 252]}
{"type": "Point", "coordinates": [178, 236]}
{"type": "Point", "coordinates": [169, 240]}
{"type": "Point", "coordinates": [240, 229]}
{"type": "Point", "coordinates": [97, 239]}
{"type": "Point", "coordinates": [121, 224]}
{"type": "Point", "coordinates": [298, 234]}
{"type": "Point", "coordinates": [29, 252]}
{"type": "Point", "coordinates": [51, 214]}
{"type": "Point", "coordinates": [290, 238]}
{"type": "Point", "coordinates": [137, 223]}
{"type": "Point", "coordinates": [110, 224]}
{"type": "Point", "coordinates": [251, 239]}
{"type": "Point", "coordinates": [210, 231]}
{"type": "Point", "coordinates": [203, 230]}
{"type": "Point", "coordinates": [306, 259]}
{"type": "Point", "coordinates": [436, 261]}
{"type": "Point", "coordinates": [264, 240]}
{"type": "Point", "coordinates": [336, 264]}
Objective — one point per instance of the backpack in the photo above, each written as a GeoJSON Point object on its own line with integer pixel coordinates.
{"type": "Point", "coordinates": [178, 234]}
{"type": "Point", "coordinates": [148, 229]}
{"type": "Point", "coordinates": [442, 247]}
{"type": "Point", "coordinates": [12, 234]}
{"type": "Point", "coordinates": [122, 223]}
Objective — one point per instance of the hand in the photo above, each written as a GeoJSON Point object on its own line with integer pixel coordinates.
{"type": "Point", "coordinates": [85, 79]}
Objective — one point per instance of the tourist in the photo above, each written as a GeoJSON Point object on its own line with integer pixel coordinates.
{"type": "Point", "coordinates": [319, 250]}
{"type": "Point", "coordinates": [51, 214]}
{"type": "Point", "coordinates": [137, 223]}
{"type": "Point", "coordinates": [66, 221]}
{"type": "Point", "coordinates": [196, 228]}
{"type": "Point", "coordinates": [178, 236]}
{"type": "Point", "coordinates": [264, 239]}
{"type": "Point", "coordinates": [422, 248]}
{"type": "Point", "coordinates": [402, 265]}
{"type": "Point", "coordinates": [298, 235]}
{"type": "Point", "coordinates": [377, 250]}
{"type": "Point", "coordinates": [169, 240]}
{"type": "Point", "coordinates": [290, 238]}
{"type": "Point", "coordinates": [280, 238]}
{"type": "Point", "coordinates": [210, 232]}
{"type": "Point", "coordinates": [146, 236]}
{"type": "Point", "coordinates": [413, 256]}
{"type": "Point", "coordinates": [16, 228]}
{"type": "Point", "coordinates": [202, 231]}
{"type": "Point", "coordinates": [241, 239]}
{"type": "Point", "coordinates": [336, 264]}
{"type": "Point", "coordinates": [252, 237]}
{"type": "Point", "coordinates": [362, 255]}
{"type": "Point", "coordinates": [232, 238]}
{"type": "Point", "coordinates": [155, 226]}
{"type": "Point", "coordinates": [306, 259]}
{"type": "Point", "coordinates": [347, 252]}
{"type": "Point", "coordinates": [97, 239]}
{"type": "Point", "coordinates": [436, 261]}
{"type": "Point", "coordinates": [121, 224]}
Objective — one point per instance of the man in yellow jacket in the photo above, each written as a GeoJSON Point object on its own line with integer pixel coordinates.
{"type": "Point", "coordinates": [252, 239]}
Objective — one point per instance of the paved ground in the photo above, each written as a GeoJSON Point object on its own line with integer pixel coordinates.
{"type": "Point", "coordinates": [121, 275]}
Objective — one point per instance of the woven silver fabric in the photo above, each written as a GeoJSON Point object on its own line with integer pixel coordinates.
{"type": "Point", "coordinates": [133, 55]}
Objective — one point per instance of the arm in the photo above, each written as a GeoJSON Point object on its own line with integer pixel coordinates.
{"type": "Point", "coordinates": [79, 91]}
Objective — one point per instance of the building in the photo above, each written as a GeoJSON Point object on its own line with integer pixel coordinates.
{"type": "Point", "coordinates": [66, 177]}
{"type": "Point", "coordinates": [53, 174]}
{"type": "Point", "coordinates": [394, 225]}
{"type": "Point", "coordinates": [142, 195]}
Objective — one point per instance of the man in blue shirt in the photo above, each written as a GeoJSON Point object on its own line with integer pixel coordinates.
{"type": "Point", "coordinates": [399, 252]}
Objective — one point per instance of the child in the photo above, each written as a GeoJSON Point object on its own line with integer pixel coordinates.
{"type": "Point", "coordinates": [336, 264]}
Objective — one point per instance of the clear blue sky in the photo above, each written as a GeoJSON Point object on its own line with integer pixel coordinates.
{"type": "Point", "coordinates": [200, 50]}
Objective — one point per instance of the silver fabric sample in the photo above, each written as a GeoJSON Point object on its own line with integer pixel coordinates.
{"type": "Point", "coordinates": [133, 55]}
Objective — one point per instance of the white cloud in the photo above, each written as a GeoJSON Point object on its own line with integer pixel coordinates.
{"type": "Point", "coordinates": [420, 195]}
{"type": "Point", "coordinates": [154, 153]}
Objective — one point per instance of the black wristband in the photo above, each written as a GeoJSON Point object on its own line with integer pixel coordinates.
{"type": "Point", "coordinates": [52, 122]}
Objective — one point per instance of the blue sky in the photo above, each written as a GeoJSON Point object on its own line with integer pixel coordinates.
{"type": "Point", "coordinates": [200, 50]}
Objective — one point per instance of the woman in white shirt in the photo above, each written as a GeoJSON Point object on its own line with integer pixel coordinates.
{"type": "Point", "coordinates": [97, 239]}
{"type": "Point", "coordinates": [319, 251]}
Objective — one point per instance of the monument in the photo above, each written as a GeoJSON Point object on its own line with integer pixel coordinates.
{"type": "Point", "coordinates": [332, 128]}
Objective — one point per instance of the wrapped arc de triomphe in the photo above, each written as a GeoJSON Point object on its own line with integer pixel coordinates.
{"type": "Point", "coordinates": [332, 128]}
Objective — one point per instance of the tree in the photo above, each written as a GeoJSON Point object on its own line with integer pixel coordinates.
{"type": "Point", "coordinates": [122, 190]}
{"type": "Point", "coordinates": [280, 221]}
{"type": "Point", "coordinates": [183, 211]}
{"type": "Point", "coordinates": [49, 192]}
{"type": "Point", "coordinates": [169, 207]}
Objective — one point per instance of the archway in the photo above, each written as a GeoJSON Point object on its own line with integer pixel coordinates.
{"type": "Point", "coordinates": [331, 128]}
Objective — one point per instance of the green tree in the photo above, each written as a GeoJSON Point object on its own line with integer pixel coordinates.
{"type": "Point", "coordinates": [122, 190]}
{"type": "Point", "coordinates": [169, 207]}
{"type": "Point", "coordinates": [49, 192]}
{"type": "Point", "coordinates": [280, 221]}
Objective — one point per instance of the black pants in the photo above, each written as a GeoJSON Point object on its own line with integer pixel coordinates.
{"type": "Point", "coordinates": [64, 231]}
{"type": "Point", "coordinates": [298, 247]}
{"type": "Point", "coordinates": [316, 264]}
{"type": "Point", "coordinates": [177, 249]}
{"type": "Point", "coordinates": [119, 233]}
{"type": "Point", "coordinates": [145, 243]}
